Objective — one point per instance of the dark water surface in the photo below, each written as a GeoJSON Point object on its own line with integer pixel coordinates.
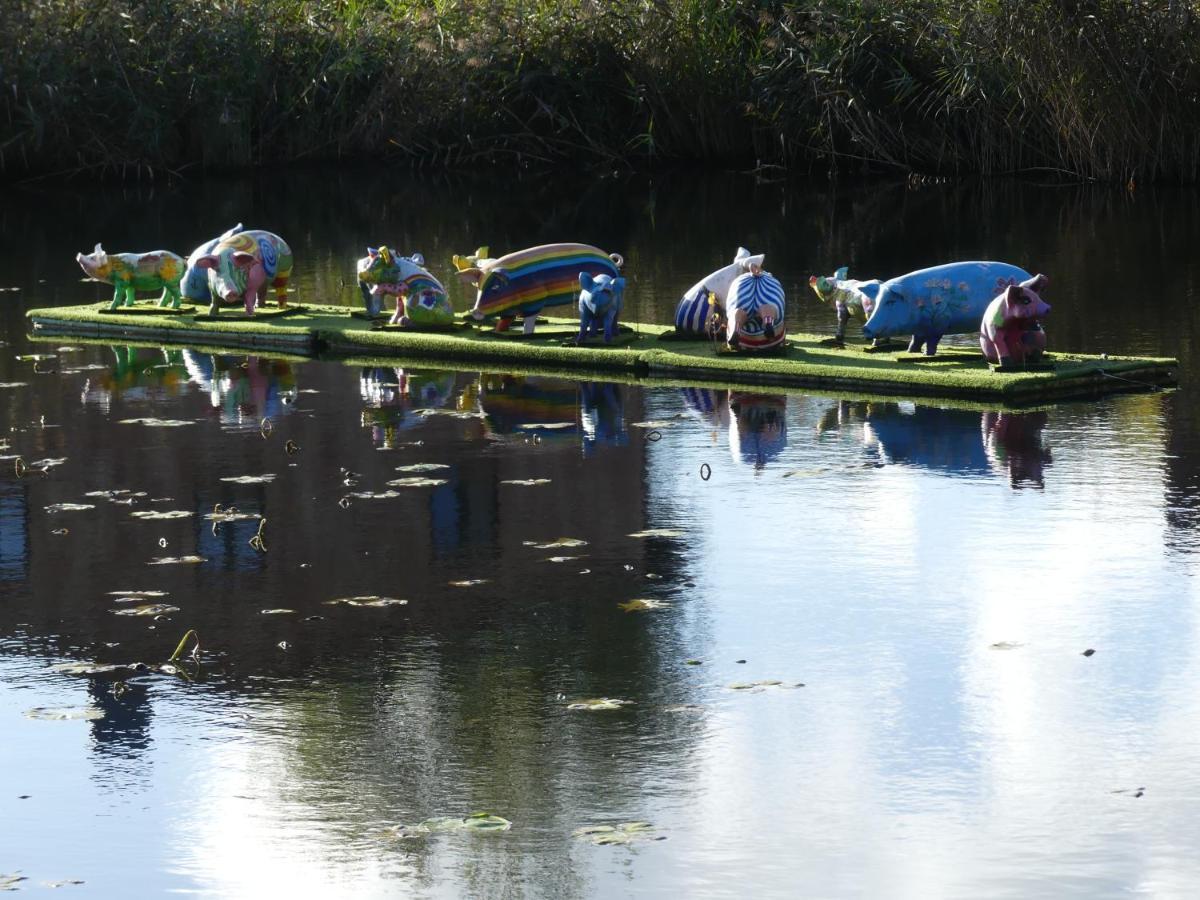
{"type": "Point", "coordinates": [861, 671]}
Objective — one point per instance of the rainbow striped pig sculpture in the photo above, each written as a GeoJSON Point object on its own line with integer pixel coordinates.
{"type": "Point", "coordinates": [525, 282]}
{"type": "Point", "coordinates": [129, 273]}
{"type": "Point", "coordinates": [755, 309]}
{"type": "Point", "coordinates": [420, 298]}
{"type": "Point", "coordinates": [239, 265]}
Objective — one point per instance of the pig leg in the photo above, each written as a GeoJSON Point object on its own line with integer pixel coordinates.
{"type": "Point", "coordinates": [915, 345]}
{"type": "Point", "coordinates": [585, 321]}
{"type": "Point", "coordinates": [528, 323]}
{"type": "Point", "coordinates": [118, 295]}
{"type": "Point", "coordinates": [610, 326]}
{"type": "Point", "coordinates": [843, 316]}
{"type": "Point", "coordinates": [1000, 348]}
{"type": "Point", "coordinates": [504, 323]}
{"type": "Point", "coordinates": [932, 345]}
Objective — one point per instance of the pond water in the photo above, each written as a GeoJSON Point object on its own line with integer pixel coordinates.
{"type": "Point", "coordinates": [845, 640]}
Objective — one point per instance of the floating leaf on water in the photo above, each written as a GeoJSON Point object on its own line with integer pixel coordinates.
{"type": "Point", "coordinates": [230, 515]}
{"type": "Point", "coordinates": [657, 532]}
{"type": "Point", "coordinates": [370, 600]}
{"type": "Point", "coordinates": [10, 882]}
{"type": "Point", "coordinates": [250, 479]}
{"type": "Point", "coordinates": [63, 883]}
{"type": "Point", "coordinates": [756, 686]}
{"type": "Point", "coordinates": [161, 513]}
{"type": "Point", "coordinates": [416, 481]}
{"type": "Point", "coordinates": [693, 662]}
{"type": "Point", "coordinates": [117, 495]}
{"type": "Point", "coordinates": [562, 559]}
{"type": "Point", "coordinates": [452, 413]}
{"type": "Point", "coordinates": [153, 422]}
{"type": "Point", "coordinates": [481, 821]}
{"type": "Point", "coordinates": [34, 357]}
{"type": "Point", "coordinates": [13, 384]}
{"type": "Point", "coordinates": [47, 463]}
{"type": "Point", "coordinates": [64, 713]}
{"type": "Point", "coordinates": [1088, 652]}
{"type": "Point", "coordinates": [373, 495]}
{"type": "Point", "coordinates": [625, 833]}
{"type": "Point", "coordinates": [68, 349]}
{"type": "Point", "coordinates": [278, 612]}
{"type": "Point", "coordinates": [684, 708]}
{"type": "Point", "coordinates": [547, 426]}
{"type": "Point", "coordinates": [68, 507]}
{"type": "Point", "coordinates": [599, 703]}
{"type": "Point", "coordinates": [176, 560]}
{"type": "Point", "coordinates": [1006, 645]}
{"type": "Point", "coordinates": [422, 467]}
{"type": "Point", "coordinates": [89, 668]}
{"type": "Point", "coordinates": [803, 473]}
{"type": "Point", "coordinates": [469, 582]}
{"type": "Point", "coordinates": [147, 609]}
{"type": "Point", "coordinates": [526, 482]}
{"type": "Point", "coordinates": [656, 423]}
{"type": "Point", "coordinates": [554, 545]}
{"type": "Point", "coordinates": [129, 595]}
{"type": "Point", "coordinates": [643, 604]}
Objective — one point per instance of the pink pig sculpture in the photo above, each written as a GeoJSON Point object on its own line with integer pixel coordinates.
{"type": "Point", "coordinates": [1011, 331]}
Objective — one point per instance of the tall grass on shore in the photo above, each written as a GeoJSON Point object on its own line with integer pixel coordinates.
{"type": "Point", "coordinates": [1087, 89]}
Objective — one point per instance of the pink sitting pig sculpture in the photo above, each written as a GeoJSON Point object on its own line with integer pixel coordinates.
{"type": "Point", "coordinates": [1011, 331]}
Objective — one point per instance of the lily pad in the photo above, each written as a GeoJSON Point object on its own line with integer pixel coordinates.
{"type": "Point", "coordinates": [250, 479]}
{"type": "Point", "coordinates": [1006, 645]}
{"type": "Point", "coordinates": [162, 514]}
{"type": "Point", "coordinates": [34, 357]}
{"type": "Point", "coordinates": [176, 560]}
{"type": "Point", "coordinates": [153, 422]}
{"type": "Point", "coordinates": [643, 604]}
{"type": "Point", "coordinates": [117, 495]}
{"type": "Point", "coordinates": [131, 595]}
{"type": "Point", "coordinates": [755, 687]}
{"type": "Point", "coordinates": [422, 467]}
{"type": "Point", "coordinates": [230, 515]}
{"type": "Point", "coordinates": [278, 612]}
{"type": "Point", "coordinates": [625, 833]}
{"type": "Point", "coordinates": [88, 668]}
{"type": "Point", "coordinates": [599, 703]}
{"type": "Point", "coordinates": [657, 532]}
{"type": "Point", "coordinates": [47, 463]}
{"type": "Point", "coordinates": [13, 384]}
{"type": "Point", "coordinates": [546, 426]}
{"type": "Point", "coordinates": [526, 482]}
{"type": "Point", "coordinates": [556, 544]}
{"type": "Point", "coordinates": [562, 559]}
{"type": "Point", "coordinates": [373, 495]}
{"type": "Point", "coordinates": [68, 507]}
{"type": "Point", "coordinates": [469, 582]}
{"type": "Point", "coordinates": [10, 882]}
{"type": "Point", "coordinates": [147, 609]}
{"type": "Point", "coordinates": [64, 713]}
{"type": "Point", "coordinates": [655, 423]}
{"type": "Point", "coordinates": [371, 600]}
{"type": "Point", "coordinates": [416, 481]}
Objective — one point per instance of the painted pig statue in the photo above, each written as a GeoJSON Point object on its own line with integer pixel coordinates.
{"type": "Point", "coordinates": [849, 298]}
{"type": "Point", "coordinates": [1011, 332]}
{"type": "Point", "coordinates": [129, 273]}
{"type": "Point", "coordinates": [239, 266]}
{"type": "Point", "coordinates": [755, 309]}
{"type": "Point", "coordinates": [701, 311]}
{"type": "Point", "coordinates": [946, 299]}
{"type": "Point", "coordinates": [600, 301]}
{"type": "Point", "coordinates": [525, 282]}
{"type": "Point", "coordinates": [421, 301]}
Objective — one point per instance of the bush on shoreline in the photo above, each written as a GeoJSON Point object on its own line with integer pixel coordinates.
{"type": "Point", "coordinates": [1088, 89]}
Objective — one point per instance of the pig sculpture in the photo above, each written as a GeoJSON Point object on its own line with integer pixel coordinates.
{"type": "Point", "coordinates": [930, 303]}
{"type": "Point", "coordinates": [701, 311]}
{"type": "Point", "coordinates": [849, 298]}
{"type": "Point", "coordinates": [755, 308]}
{"type": "Point", "coordinates": [600, 301]}
{"type": "Point", "coordinates": [239, 265]}
{"type": "Point", "coordinates": [1011, 333]}
{"type": "Point", "coordinates": [420, 298]}
{"type": "Point", "coordinates": [525, 282]}
{"type": "Point", "coordinates": [129, 273]}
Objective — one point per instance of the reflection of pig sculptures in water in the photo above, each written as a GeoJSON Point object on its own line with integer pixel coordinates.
{"type": "Point", "coordinates": [1014, 446]}
{"type": "Point", "coordinates": [239, 265]}
{"type": "Point", "coordinates": [1011, 332]}
{"type": "Point", "coordinates": [132, 272]}
{"type": "Point", "coordinates": [929, 303]}
{"type": "Point", "coordinates": [757, 427]}
{"type": "Point", "coordinates": [525, 282]}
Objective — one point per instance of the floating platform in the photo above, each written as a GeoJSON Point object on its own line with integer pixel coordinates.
{"type": "Point", "coordinates": [807, 361]}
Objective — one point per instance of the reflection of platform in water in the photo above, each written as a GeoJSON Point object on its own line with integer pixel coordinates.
{"type": "Point", "coordinates": [807, 363]}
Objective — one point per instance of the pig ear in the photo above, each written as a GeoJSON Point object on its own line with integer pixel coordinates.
{"type": "Point", "coordinates": [462, 263]}
{"type": "Point", "coordinates": [386, 253]}
{"type": "Point", "coordinates": [372, 252]}
{"type": "Point", "coordinates": [841, 273]}
{"type": "Point", "coordinates": [99, 251]}
{"type": "Point", "coordinates": [1036, 283]}
{"type": "Point", "coordinates": [482, 252]}
{"type": "Point", "coordinates": [742, 253]}
{"type": "Point", "coordinates": [587, 282]}
{"type": "Point", "coordinates": [206, 262]}
{"type": "Point", "coordinates": [1013, 294]}
{"type": "Point", "coordinates": [243, 260]}
{"type": "Point", "coordinates": [418, 258]}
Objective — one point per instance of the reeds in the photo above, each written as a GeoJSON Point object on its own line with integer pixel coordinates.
{"type": "Point", "coordinates": [1086, 89]}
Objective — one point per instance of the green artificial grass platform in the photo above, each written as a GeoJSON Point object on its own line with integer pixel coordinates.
{"type": "Point", "coordinates": [806, 361]}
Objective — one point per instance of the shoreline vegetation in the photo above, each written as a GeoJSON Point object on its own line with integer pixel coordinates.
{"type": "Point", "coordinates": [1103, 90]}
